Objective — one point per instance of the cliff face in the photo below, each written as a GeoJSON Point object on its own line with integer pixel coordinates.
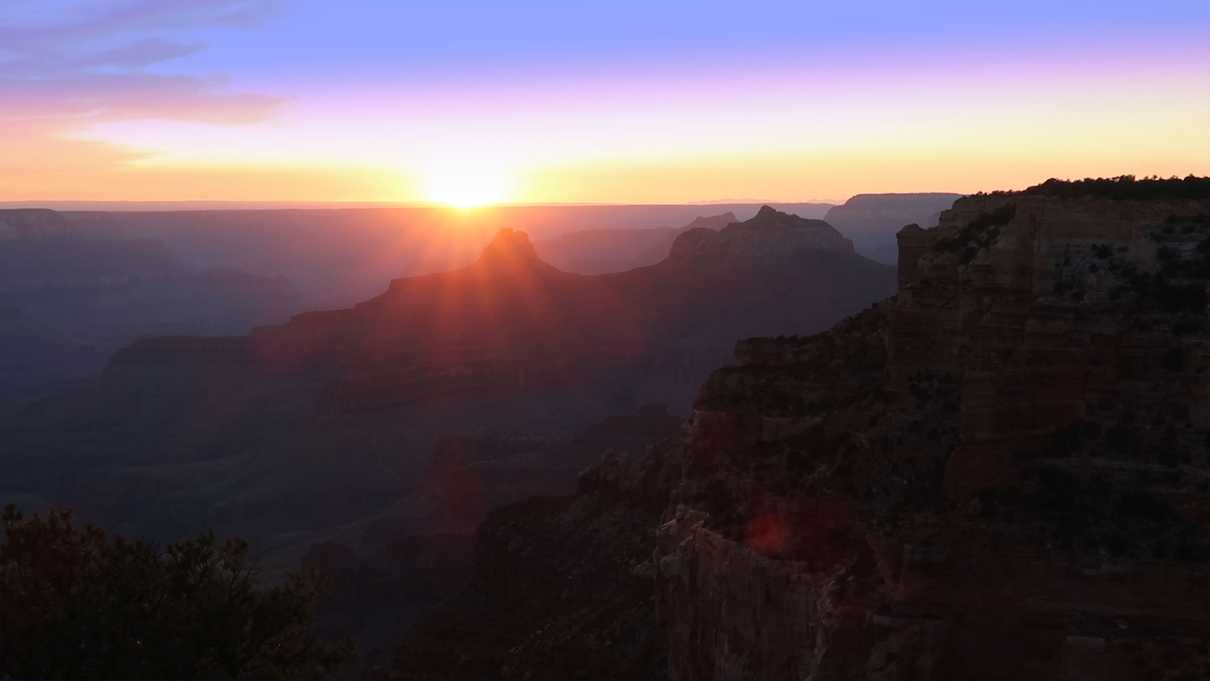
{"type": "Point", "coordinates": [1001, 473]}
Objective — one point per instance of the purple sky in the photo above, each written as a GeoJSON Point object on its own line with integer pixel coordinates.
{"type": "Point", "coordinates": [597, 101]}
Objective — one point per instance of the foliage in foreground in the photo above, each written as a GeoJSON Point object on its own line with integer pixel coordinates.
{"type": "Point", "coordinates": [77, 603]}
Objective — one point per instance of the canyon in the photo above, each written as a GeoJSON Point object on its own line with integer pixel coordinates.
{"type": "Point", "coordinates": [372, 439]}
{"type": "Point", "coordinates": [70, 297]}
{"type": "Point", "coordinates": [1002, 472]}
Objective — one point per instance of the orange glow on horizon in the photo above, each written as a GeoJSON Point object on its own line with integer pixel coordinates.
{"type": "Point", "coordinates": [621, 148]}
{"type": "Point", "coordinates": [465, 182]}
{"type": "Point", "coordinates": [820, 123]}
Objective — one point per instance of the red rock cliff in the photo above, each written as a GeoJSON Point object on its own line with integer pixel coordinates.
{"type": "Point", "coordinates": [1001, 473]}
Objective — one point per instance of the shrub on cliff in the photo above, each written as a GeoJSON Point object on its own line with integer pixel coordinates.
{"type": "Point", "coordinates": [77, 603]}
{"type": "Point", "coordinates": [978, 234]}
{"type": "Point", "coordinates": [1126, 187]}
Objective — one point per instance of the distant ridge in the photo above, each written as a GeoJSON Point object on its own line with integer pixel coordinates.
{"type": "Point", "coordinates": [871, 220]}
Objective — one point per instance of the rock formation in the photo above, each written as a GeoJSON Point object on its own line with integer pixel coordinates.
{"type": "Point", "coordinates": [512, 325]}
{"type": "Point", "coordinates": [84, 295]}
{"type": "Point", "coordinates": [999, 474]}
{"type": "Point", "coordinates": [617, 250]}
{"type": "Point", "coordinates": [1003, 472]}
{"type": "Point", "coordinates": [771, 234]}
{"type": "Point", "coordinates": [296, 433]}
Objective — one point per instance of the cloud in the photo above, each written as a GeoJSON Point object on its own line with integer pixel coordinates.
{"type": "Point", "coordinates": [67, 65]}
{"type": "Point", "coordinates": [85, 98]}
{"type": "Point", "coordinates": [93, 19]}
{"type": "Point", "coordinates": [134, 55]}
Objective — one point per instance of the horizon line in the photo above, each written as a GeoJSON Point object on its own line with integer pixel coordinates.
{"type": "Point", "coordinates": [74, 205]}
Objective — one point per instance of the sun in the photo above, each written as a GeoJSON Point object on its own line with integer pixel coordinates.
{"type": "Point", "coordinates": [467, 188]}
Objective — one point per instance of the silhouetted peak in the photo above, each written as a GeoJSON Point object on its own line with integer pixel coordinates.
{"type": "Point", "coordinates": [770, 213]}
{"type": "Point", "coordinates": [771, 233]}
{"type": "Point", "coordinates": [769, 219]}
{"type": "Point", "coordinates": [510, 243]}
{"type": "Point", "coordinates": [769, 216]}
{"type": "Point", "coordinates": [511, 247]}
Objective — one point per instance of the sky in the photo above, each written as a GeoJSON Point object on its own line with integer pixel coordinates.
{"type": "Point", "coordinates": [626, 101]}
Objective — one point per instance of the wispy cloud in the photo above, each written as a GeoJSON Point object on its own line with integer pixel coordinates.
{"type": "Point", "coordinates": [66, 65]}
{"type": "Point", "coordinates": [139, 54]}
{"type": "Point", "coordinates": [34, 26]}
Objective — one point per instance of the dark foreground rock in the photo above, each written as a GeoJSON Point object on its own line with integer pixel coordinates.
{"type": "Point", "coordinates": [565, 587]}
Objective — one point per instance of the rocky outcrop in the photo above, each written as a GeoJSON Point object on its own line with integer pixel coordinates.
{"type": "Point", "coordinates": [871, 220]}
{"type": "Point", "coordinates": [1001, 473]}
{"type": "Point", "coordinates": [510, 248]}
{"type": "Point", "coordinates": [770, 234]}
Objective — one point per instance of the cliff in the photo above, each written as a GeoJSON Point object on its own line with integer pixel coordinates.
{"type": "Point", "coordinates": [1003, 472]}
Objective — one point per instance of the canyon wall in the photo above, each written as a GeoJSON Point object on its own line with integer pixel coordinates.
{"type": "Point", "coordinates": [1001, 473]}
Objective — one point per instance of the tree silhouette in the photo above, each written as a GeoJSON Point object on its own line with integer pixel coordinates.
{"type": "Point", "coordinates": [78, 603]}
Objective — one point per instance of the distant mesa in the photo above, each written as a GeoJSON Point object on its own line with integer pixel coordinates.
{"type": "Point", "coordinates": [771, 233]}
{"type": "Point", "coordinates": [32, 223]}
{"type": "Point", "coordinates": [912, 201]}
